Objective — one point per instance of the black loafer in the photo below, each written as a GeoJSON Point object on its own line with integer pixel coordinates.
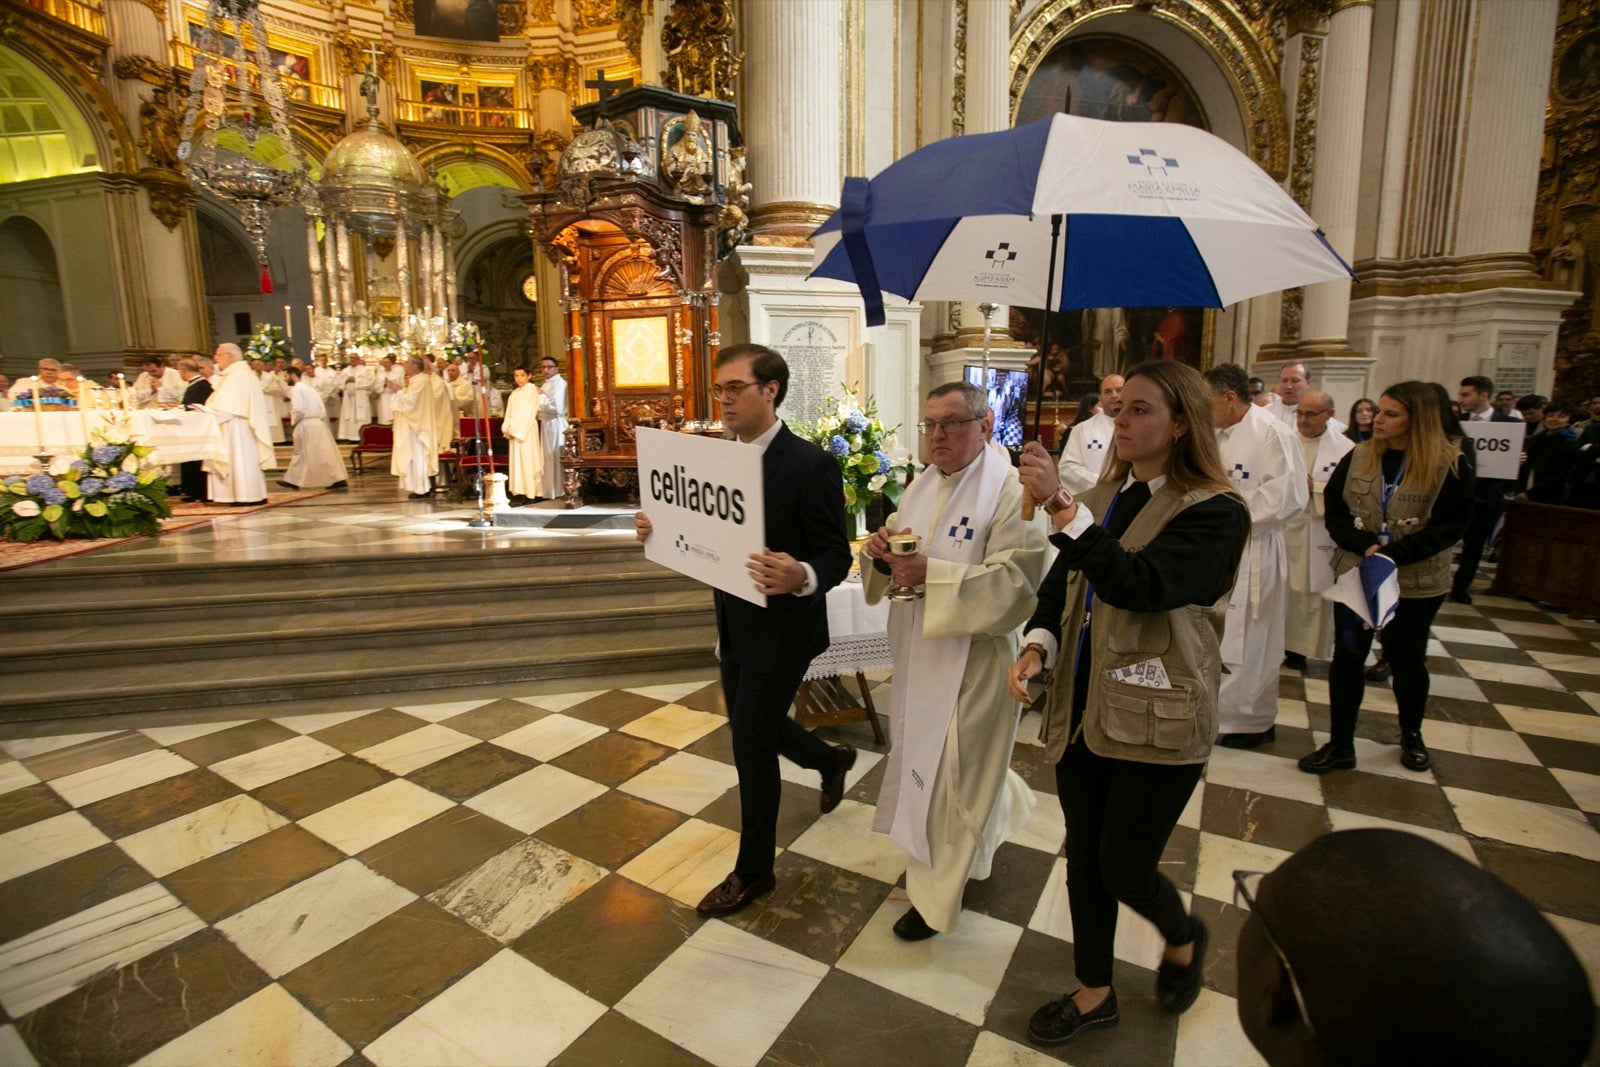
{"type": "Point", "coordinates": [1329, 757]}
{"type": "Point", "coordinates": [1413, 753]}
{"type": "Point", "coordinates": [735, 894]}
{"type": "Point", "coordinates": [1248, 740]}
{"type": "Point", "coordinates": [1379, 671]}
{"type": "Point", "coordinates": [844, 757]}
{"type": "Point", "coordinates": [1460, 598]}
{"type": "Point", "coordinates": [1294, 661]}
{"type": "Point", "coordinates": [1060, 1020]}
{"type": "Point", "coordinates": [1177, 985]}
{"type": "Point", "coordinates": [913, 927]}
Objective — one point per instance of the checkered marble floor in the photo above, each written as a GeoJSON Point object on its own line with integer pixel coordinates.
{"type": "Point", "coordinates": [511, 879]}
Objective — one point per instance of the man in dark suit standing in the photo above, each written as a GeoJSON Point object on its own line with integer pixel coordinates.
{"type": "Point", "coordinates": [1488, 494]}
{"type": "Point", "coordinates": [765, 651]}
{"type": "Point", "coordinates": [191, 477]}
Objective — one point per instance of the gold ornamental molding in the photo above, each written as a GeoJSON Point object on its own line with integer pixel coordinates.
{"type": "Point", "coordinates": [1307, 103]}
{"type": "Point", "coordinates": [27, 33]}
{"type": "Point", "coordinates": [350, 51]}
{"type": "Point", "coordinates": [158, 8]}
{"type": "Point", "coordinates": [1345, 5]}
{"type": "Point", "coordinates": [554, 72]}
{"type": "Point", "coordinates": [698, 40]}
{"type": "Point", "coordinates": [172, 198]}
{"type": "Point", "coordinates": [632, 17]}
{"type": "Point", "coordinates": [1240, 34]}
{"type": "Point", "coordinates": [787, 223]}
{"type": "Point", "coordinates": [958, 94]}
{"type": "Point", "coordinates": [142, 68]}
{"type": "Point", "coordinates": [1446, 275]}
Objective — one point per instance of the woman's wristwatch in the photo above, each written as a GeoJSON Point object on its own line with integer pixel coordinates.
{"type": "Point", "coordinates": [1059, 501]}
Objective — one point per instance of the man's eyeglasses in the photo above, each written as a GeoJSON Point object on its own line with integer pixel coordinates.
{"type": "Point", "coordinates": [1312, 414]}
{"type": "Point", "coordinates": [949, 426]}
{"type": "Point", "coordinates": [1245, 884]}
{"type": "Point", "coordinates": [730, 390]}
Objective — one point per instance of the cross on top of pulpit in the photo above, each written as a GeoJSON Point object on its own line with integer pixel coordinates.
{"type": "Point", "coordinates": [607, 89]}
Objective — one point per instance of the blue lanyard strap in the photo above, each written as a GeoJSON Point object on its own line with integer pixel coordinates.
{"type": "Point", "coordinates": [1389, 488]}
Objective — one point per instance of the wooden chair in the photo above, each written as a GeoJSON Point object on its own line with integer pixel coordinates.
{"type": "Point", "coordinates": [375, 439]}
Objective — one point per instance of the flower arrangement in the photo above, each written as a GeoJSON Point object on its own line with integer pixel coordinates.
{"type": "Point", "coordinates": [49, 396]}
{"type": "Point", "coordinates": [377, 337]}
{"type": "Point", "coordinates": [268, 343]}
{"type": "Point", "coordinates": [464, 340]}
{"type": "Point", "coordinates": [852, 433]}
{"type": "Point", "coordinates": [111, 490]}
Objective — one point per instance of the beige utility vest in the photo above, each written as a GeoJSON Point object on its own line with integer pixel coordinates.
{"type": "Point", "coordinates": [1134, 722]}
{"type": "Point", "coordinates": [1409, 511]}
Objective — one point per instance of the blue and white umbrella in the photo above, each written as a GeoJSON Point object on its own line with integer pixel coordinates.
{"type": "Point", "coordinates": [1092, 213]}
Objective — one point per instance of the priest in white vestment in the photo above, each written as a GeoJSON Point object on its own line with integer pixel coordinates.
{"type": "Point", "coordinates": [521, 427]}
{"type": "Point", "coordinates": [952, 721]}
{"type": "Point", "coordinates": [461, 391]}
{"type": "Point", "coordinates": [415, 459]}
{"type": "Point", "coordinates": [477, 372]}
{"type": "Point", "coordinates": [277, 393]}
{"type": "Point", "coordinates": [157, 386]}
{"type": "Point", "coordinates": [1083, 456]}
{"type": "Point", "coordinates": [1283, 403]}
{"type": "Point", "coordinates": [1308, 628]}
{"type": "Point", "coordinates": [316, 463]}
{"type": "Point", "coordinates": [355, 409]}
{"type": "Point", "coordinates": [246, 421]}
{"type": "Point", "coordinates": [1262, 458]}
{"type": "Point", "coordinates": [327, 384]}
{"type": "Point", "coordinates": [388, 371]}
{"type": "Point", "coordinates": [446, 421]}
{"type": "Point", "coordinates": [552, 425]}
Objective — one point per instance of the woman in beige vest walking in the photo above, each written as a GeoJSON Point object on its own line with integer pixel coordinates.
{"type": "Point", "coordinates": [1131, 619]}
{"type": "Point", "coordinates": [1408, 494]}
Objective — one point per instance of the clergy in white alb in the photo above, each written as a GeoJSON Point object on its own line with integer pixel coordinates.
{"type": "Point", "coordinates": [327, 384]}
{"type": "Point", "coordinates": [1308, 627]}
{"type": "Point", "coordinates": [462, 392]}
{"type": "Point", "coordinates": [1083, 456]}
{"type": "Point", "coordinates": [246, 422]}
{"type": "Point", "coordinates": [1282, 403]}
{"type": "Point", "coordinates": [949, 797]}
{"type": "Point", "coordinates": [552, 425]}
{"type": "Point", "coordinates": [388, 371]}
{"type": "Point", "coordinates": [277, 393]}
{"type": "Point", "coordinates": [355, 408]}
{"type": "Point", "coordinates": [521, 427]}
{"type": "Point", "coordinates": [446, 423]}
{"type": "Point", "coordinates": [316, 463]}
{"type": "Point", "coordinates": [158, 385]}
{"type": "Point", "coordinates": [415, 459]}
{"type": "Point", "coordinates": [1261, 457]}
{"type": "Point", "coordinates": [477, 372]}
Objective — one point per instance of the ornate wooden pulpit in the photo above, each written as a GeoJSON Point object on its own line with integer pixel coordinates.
{"type": "Point", "coordinates": [634, 226]}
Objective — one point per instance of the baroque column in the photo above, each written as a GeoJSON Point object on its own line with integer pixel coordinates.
{"type": "Point", "coordinates": [793, 107]}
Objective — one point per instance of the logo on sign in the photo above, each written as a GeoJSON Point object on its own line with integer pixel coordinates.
{"type": "Point", "coordinates": [1153, 162]}
{"type": "Point", "coordinates": [1002, 257]}
{"type": "Point", "coordinates": [686, 547]}
{"type": "Point", "coordinates": [1159, 183]}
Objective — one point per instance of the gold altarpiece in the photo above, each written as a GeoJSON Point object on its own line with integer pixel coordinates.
{"type": "Point", "coordinates": [633, 225]}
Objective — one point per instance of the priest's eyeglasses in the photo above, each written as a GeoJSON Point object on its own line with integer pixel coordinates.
{"type": "Point", "coordinates": [730, 390]}
{"type": "Point", "coordinates": [1245, 885]}
{"type": "Point", "coordinates": [949, 426]}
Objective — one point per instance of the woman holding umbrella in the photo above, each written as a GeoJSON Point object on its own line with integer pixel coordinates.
{"type": "Point", "coordinates": [1130, 619]}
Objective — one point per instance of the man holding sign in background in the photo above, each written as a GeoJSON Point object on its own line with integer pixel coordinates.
{"type": "Point", "coordinates": [765, 650]}
{"type": "Point", "coordinates": [1488, 493]}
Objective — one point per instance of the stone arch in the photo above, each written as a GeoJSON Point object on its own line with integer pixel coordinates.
{"type": "Point", "coordinates": [481, 160]}
{"type": "Point", "coordinates": [30, 295]}
{"type": "Point", "coordinates": [90, 103]}
{"type": "Point", "coordinates": [1218, 51]}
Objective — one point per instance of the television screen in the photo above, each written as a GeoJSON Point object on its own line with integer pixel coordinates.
{"type": "Point", "coordinates": [1008, 392]}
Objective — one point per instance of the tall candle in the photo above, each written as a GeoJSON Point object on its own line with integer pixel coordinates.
{"type": "Point", "coordinates": [122, 382]}
{"type": "Point", "coordinates": [83, 415]}
{"type": "Point", "coordinates": [38, 418]}
{"type": "Point", "coordinates": [288, 325]}
{"type": "Point", "coordinates": [311, 327]}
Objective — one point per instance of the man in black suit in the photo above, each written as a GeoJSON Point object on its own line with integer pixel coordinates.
{"type": "Point", "coordinates": [765, 651]}
{"type": "Point", "coordinates": [1488, 494]}
{"type": "Point", "coordinates": [191, 478]}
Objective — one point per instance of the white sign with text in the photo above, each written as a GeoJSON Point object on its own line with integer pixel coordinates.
{"type": "Point", "coordinates": [703, 497]}
{"type": "Point", "coordinates": [1497, 447]}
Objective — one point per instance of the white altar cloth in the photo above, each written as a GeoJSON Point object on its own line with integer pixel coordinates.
{"type": "Point", "coordinates": [179, 436]}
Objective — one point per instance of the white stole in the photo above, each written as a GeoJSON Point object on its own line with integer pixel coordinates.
{"type": "Point", "coordinates": [928, 670]}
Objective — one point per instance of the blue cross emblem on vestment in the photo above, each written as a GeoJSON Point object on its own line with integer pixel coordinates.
{"type": "Point", "coordinates": [1095, 445]}
{"type": "Point", "coordinates": [1152, 161]}
{"type": "Point", "coordinates": [962, 532]}
{"type": "Point", "coordinates": [1001, 256]}
{"type": "Point", "coordinates": [1239, 473]}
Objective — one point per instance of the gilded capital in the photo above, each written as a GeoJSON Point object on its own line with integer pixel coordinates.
{"type": "Point", "coordinates": [142, 68]}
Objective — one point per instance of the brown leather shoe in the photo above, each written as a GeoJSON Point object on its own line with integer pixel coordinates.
{"type": "Point", "coordinates": [844, 757]}
{"type": "Point", "coordinates": [734, 895]}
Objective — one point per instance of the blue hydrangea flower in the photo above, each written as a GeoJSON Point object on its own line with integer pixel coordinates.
{"type": "Point", "coordinates": [91, 486]}
{"type": "Point", "coordinates": [14, 479]}
{"type": "Point", "coordinates": [856, 423]}
{"type": "Point", "coordinates": [40, 483]}
{"type": "Point", "coordinates": [80, 466]}
{"type": "Point", "coordinates": [106, 454]}
{"type": "Point", "coordinates": [883, 460]}
{"type": "Point", "coordinates": [120, 481]}
{"type": "Point", "coordinates": [53, 496]}
{"type": "Point", "coordinates": [838, 445]}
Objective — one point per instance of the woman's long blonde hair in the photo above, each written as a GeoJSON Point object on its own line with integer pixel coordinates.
{"type": "Point", "coordinates": [1429, 452]}
{"type": "Point", "coordinates": [1194, 461]}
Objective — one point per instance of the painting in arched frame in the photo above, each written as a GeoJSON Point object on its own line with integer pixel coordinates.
{"type": "Point", "coordinates": [1102, 76]}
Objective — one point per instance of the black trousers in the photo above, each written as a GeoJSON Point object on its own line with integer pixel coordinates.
{"type": "Point", "coordinates": [1119, 816]}
{"type": "Point", "coordinates": [758, 714]}
{"type": "Point", "coordinates": [192, 480]}
{"type": "Point", "coordinates": [1484, 517]}
{"type": "Point", "coordinates": [1405, 646]}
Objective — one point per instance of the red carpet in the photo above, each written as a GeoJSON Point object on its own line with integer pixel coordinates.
{"type": "Point", "coordinates": [276, 496]}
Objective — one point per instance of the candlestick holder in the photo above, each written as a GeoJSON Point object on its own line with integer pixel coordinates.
{"type": "Point", "coordinates": [43, 459]}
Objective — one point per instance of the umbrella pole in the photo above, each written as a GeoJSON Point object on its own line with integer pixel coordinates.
{"type": "Point", "coordinates": [1044, 348]}
{"type": "Point", "coordinates": [987, 311]}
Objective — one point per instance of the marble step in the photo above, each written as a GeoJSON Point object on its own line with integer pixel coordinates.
{"type": "Point", "coordinates": [335, 627]}
{"type": "Point", "coordinates": [135, 686]}
{"type": "Point", "coordinates": [199, 595]}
